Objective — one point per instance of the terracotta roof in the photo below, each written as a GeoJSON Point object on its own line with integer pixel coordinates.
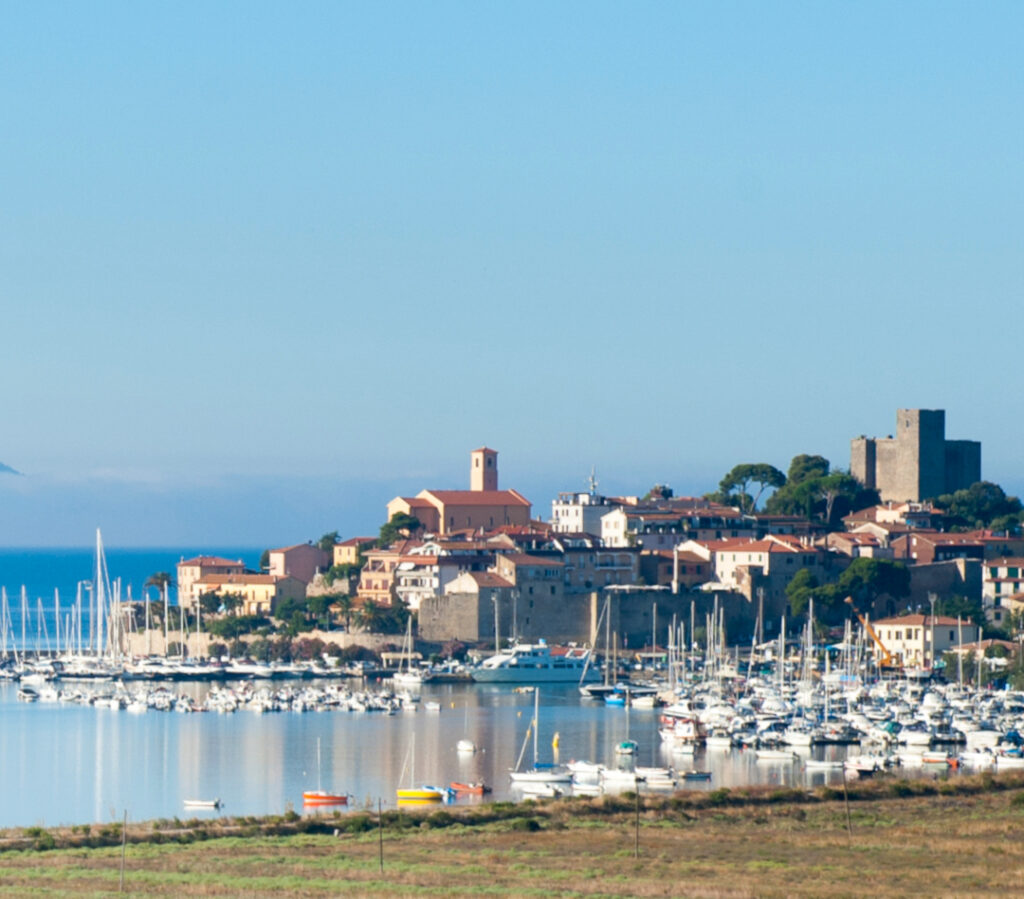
{"type": "Point", "coordinates": [525, 559]}
{"type": "Point", "coordinates": [485, 449]}
{"type": "Point", "coordinates": [489, 579]}
{"type": "Point", "coordinates": [285, 549]}
{"type": "Point", "coordinates": [217, 561]}
{"type": "Point", "coordinates": [864, 539]}
{"type": "Point", "coordinates": [1005, 561]}
{"type": "Point", "coordinates": [476, 497]}
{"type": "Point", "coordinates": [920, 620]}
{"type": "Point", "coordinates": [687, 557]}
{"type": "Point", "coordinates": [418, 560]}
{"type": "Point", "coordinates": [356, 541]}
{"type": "Point", "coordinates": [417, 502]}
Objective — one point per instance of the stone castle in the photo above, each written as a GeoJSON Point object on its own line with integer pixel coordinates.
{"type": "Point", "coordinates": [919, 462]}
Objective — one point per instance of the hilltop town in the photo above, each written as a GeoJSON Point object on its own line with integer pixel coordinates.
{"type": "Point", "coordinates": [909, 536]}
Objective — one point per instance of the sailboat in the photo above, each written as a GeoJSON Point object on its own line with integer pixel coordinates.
{"type": "Point", "coordinates": [421, 794]}
{"type": "Point", "coordinates": [409, 676]}
{"type": "Point", "coordinates": [538, 774]}
{"type": "Point", "coordinates": [319, 796]}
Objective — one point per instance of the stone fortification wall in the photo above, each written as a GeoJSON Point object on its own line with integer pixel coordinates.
{"type": "Point", "coordinates": [199, 645]}
{"type": "Point", "coordinates": [462, 616]}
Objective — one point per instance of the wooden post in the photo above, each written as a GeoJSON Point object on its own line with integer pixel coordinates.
{"type": "Point", "coordinates": [380, 835]}
{"type": "Point", "coordinates": [124, 843]}
{"type": "Point", "coordinates": [636, 829]}
{"type": "Point", "coordinates": [846, 804]}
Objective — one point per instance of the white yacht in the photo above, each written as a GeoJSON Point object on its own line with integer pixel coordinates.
{"type": "Point", "coordinates": [535, 663]}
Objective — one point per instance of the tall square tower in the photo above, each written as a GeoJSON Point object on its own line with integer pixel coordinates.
{"type": "Point", "coordinates": [918, 462]}
{"type": "Point", "coordinates": [483, 469]}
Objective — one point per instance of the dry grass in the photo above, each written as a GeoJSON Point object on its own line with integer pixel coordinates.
{"type": "Point", "coordinates": [961, 843]}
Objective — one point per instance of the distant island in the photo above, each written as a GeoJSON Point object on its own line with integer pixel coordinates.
{"type": "Point", "coordinates": [6, 469]}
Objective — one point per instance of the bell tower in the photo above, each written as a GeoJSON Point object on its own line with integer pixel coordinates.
{"type": "Point", "coordinates": [483, 469]}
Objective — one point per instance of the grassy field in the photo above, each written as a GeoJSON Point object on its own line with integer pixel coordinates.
{"type": "Point", "coordinates": [959, 838]}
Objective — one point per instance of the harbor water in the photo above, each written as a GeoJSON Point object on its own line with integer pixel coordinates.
{"type": "Point", "coordinates": [69, 764]}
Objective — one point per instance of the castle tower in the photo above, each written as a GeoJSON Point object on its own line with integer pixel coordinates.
{"type": "Point", "coordinates": [483, 469]}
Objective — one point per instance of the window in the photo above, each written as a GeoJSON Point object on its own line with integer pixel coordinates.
{"type": "Point", "coordinates": [952, 636]}
{"type": "Point", "coordinates": [552, 589]}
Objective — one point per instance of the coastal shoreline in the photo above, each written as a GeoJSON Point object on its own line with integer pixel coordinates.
{"type": "Point", "coordinates": [749, 841]}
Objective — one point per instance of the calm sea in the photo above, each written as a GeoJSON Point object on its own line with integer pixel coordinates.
{"type": "Point", "coordinates": [69, 764]}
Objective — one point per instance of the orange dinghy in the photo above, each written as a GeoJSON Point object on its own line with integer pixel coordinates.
{"type": "Point", "coordinates": [321, 797]}
{"type": "Point", "coordinates": [476, 789]}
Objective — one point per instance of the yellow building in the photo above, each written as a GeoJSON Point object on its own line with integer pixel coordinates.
{"type": "Point", "coordinates": [260, 593]}
{"type": "Point", "coordinates": [347, 552]}
{"type": "Point", "coordinates": [191, 571]}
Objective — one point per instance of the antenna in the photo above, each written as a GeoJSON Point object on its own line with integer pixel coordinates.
{"type": "Point", "coordinates": [592, 481]}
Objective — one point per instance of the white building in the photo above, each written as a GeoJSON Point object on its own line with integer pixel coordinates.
{"type": "Point", "coordinates": [579, 513]}
{"type": "Point", "coordinates": [908, 638]}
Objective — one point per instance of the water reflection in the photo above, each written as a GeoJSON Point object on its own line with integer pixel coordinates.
{"type": "Point", "coordinates": [67, 764]}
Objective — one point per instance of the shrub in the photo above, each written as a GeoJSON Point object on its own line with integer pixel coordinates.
{"type": "Point", "coordinates": [530, 825]}
{"type": "Point", "coordinates": [718, 797]}
{"type": "Point", "coordinates": [440, 818]}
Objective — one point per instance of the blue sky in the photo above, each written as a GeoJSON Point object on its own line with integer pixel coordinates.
{"type": "Point", "coordinates": [263, 266]}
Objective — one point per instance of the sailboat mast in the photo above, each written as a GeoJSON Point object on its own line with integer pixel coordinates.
{"type": "Point", "coordinates": [24, 616]}
{"type": "Point", "coordinates": [536, 710]}
{"type": "Point", "coordinates": [100, 595]}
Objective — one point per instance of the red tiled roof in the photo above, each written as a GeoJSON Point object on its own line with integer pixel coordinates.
{"type": "Point", "coordinates": [489, 579]}
{"type": "Point", "coordinates": [284, 549]}
{"type": "Point", "coordinates": [476, 497]}
{"type": "Point", "coordinates": [920, 620]}
{"type": "Point", "coordinates": [525, 559]}
{"type": "Point", "coordinates": [211, 561]}
{"type": "Point", "coordinates": [356, 541]}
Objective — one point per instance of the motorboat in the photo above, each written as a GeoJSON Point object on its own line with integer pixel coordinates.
{"type": "Point", "coordinates": [535, 663]}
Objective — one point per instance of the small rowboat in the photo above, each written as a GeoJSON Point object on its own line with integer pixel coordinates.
{"type": "Point", "coordinates": [202, 803]}
{"type": "Point", "coordinates": [696, 775]}
{"type": "Point", "coordinates": [474, 789]}
{"type": "Point", "coordinates": [322, 797]}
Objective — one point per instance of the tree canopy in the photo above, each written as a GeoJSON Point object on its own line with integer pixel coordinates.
{"type": "Point", "coordinates": [864, 580]}
{"type": "Point", "coordinates": [735, 486]}
{"type": "Point", "coordinates": [804, 466]}
{"type": "Point", "coordinates": [814, 490]}
{"type": "Point", "coordinates": [327, 541]}
{"type": "Point", "coordinates": [981, 505]}
{"type": "Point", "coordinates": [400, 525]}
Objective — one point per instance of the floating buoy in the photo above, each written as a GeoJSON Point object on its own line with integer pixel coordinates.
{"type": "Point", "coordinates": [554, 741]}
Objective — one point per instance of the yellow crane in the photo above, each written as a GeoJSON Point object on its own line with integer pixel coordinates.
{"type": "Point", "coordinates": [885, 658]}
